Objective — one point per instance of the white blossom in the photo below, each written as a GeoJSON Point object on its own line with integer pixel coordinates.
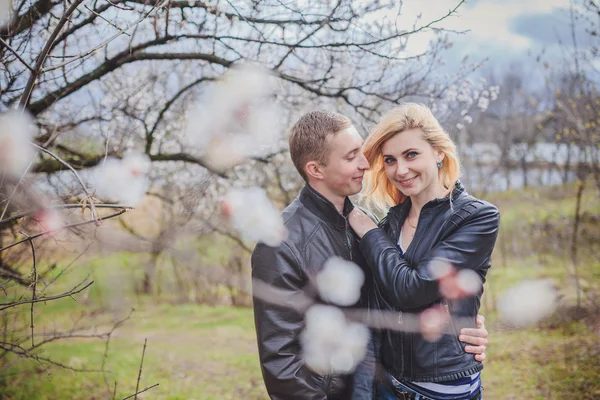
{"type": "Point", "coordinates": [5, 11]}
{"type": "Point", "coordinates": [254, 216]}
{"type": "Point", "coordinates": [432, 322]}
{"type": "Point", "coordinates": [439, 268]}
{"type": "Point", "coordinates": [469, 281]}
{"type": "Point", "coordinates": [527, 303]}
{"type": "Point", "coordinates": [454, 285]}
{"type": "Point", "coordinates": [124, 180]}
{"type": "Point", "coordinates": [340, 281]}
{"type": "Point", "coordinates": [49, 219]}
{"type": "Point", "coordinates": [330, 344]}
{"type": "Point", "coordinates": [494, 91]}
{"type": "Point", "coordinates": [237, 120]}
{"type": "Point", "coordinates": [468, 119]}
{"type": "Point", "coordinates": [483, 103]}
{"type": "Point", "coordinates": [16, 152]}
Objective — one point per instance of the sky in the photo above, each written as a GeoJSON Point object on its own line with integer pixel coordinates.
{"type": "Point", "coordinates": [507, 32]}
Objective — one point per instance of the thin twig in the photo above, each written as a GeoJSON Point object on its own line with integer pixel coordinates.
{"type": "Point", "coordinates": [4, 306]}
{"type": "Point", "coordinates": [34, 289]}
{"type": "Point", "coordinates": [24, 353]}
{"type": "Point", "coordinates": [65, 227]}
{"type": "Point", "coordinates": [60, 206]}
{"type": "Point", "coordinates": [15, 190]}
{"type": "Point", "coordinates": [105, 357]}
{"type": "Point", "coordinates": [137, 386]}
{"type": "Point", "coordinates": [141, 391]}
{"type": "Point", "coordinates": [66, 164]}
{"type": "Point", "coordinates": [103, 44]}
{"type": "Point", "coordinates": [29, 67]}
{"type": "Point", "coordinates": [42, 56]}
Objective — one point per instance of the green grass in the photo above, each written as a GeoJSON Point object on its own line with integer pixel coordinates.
{"type": "Point", "coordinates": [543, 364]}
{"type": "Point", "coordinates": [193, 352]}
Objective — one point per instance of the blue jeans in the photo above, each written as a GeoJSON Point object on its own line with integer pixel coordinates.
{"type": "Point", "coordinates": [384, 392]}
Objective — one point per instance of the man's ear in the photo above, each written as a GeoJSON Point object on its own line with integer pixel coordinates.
{"type": "Point", "coordinates": [314, 170]}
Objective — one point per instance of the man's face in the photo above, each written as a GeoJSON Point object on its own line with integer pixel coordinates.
{"type": "Point", "coordinates": [346, 164]}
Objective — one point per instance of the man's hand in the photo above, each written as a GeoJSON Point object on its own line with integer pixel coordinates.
{"type": "Point", "coordinates": [360, 222]}
{"type": "Point", "coordinates": [477, 339]}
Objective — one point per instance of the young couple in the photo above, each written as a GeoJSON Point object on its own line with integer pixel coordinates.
{"type": "Point", "coordinates": [408, 164]}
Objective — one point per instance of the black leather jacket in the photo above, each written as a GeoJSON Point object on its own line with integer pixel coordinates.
{"type": "Point", "coordinates": [316, 232]}
{"type": "Point", "coordinates": [462, 231]}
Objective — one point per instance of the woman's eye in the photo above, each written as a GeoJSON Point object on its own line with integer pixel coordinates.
{"type": "Point", "coordinates": [412, 154]}
{"type": "Point", "coordinates": [388, 160]}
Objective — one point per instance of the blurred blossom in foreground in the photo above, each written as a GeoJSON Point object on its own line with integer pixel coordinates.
{"type": "Point", "coordinates": [124, 180]}
{"type": "Point", "coordinates": [455, 285]}
{"type": "Point", "coordinates": [433, 322]}
{"type": "Point", "coordinates": [339, 282]}
{"type": "Point", "coordinates": [330, 344]}
{"type": "Point", "coordinates": [238, 119]}
{"type": "Point", "coordinates": [528, 302]}
{"type": "Point", "coordinates": [5, 8]}
{"type": "Point", "coordinates": [16, 151]}
{"type": "Point", "coordinates": [49, 219]}
{"type": "Point", "coordinates": [254, 216]}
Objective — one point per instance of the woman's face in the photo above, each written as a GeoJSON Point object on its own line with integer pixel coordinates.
{"type": "Point", "coordinates": [411, 165]}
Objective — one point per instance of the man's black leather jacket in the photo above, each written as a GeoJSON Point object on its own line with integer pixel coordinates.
{"type": "Point", "coordinates": [316, 232]}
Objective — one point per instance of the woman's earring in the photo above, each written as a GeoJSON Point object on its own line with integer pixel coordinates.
{"type": "Point", "coordinates": [439, 164]}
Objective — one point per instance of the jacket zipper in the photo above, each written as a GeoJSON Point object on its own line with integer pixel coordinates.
{"type": "Point", "coordinates": [392, 223]}
{"type": "Point", "coordinates": [455, 339]}
{"type": "Point", "coordinates": [348, 239]}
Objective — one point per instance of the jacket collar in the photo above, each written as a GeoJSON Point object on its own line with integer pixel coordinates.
{"type": "Point", "coordinates": [323, 208]}
{"type": "Point", "coordinates": [403, 207]}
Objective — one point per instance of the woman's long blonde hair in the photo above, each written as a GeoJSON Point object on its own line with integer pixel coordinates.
{"type": "Point", "coordinates": [378, 191]}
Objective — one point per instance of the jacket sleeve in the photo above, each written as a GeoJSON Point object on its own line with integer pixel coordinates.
{"type": "Point", "coordinates": [469, 246]}
{"type": "Point", "coordinates": [278, 329]}
{"type": "Point", "coordinates": [363, 380]}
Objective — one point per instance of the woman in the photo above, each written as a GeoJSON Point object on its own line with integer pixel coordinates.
{"type": "Point", "coordinates": [415, 171]}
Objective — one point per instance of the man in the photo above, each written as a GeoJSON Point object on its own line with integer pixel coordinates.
{"type": "Point", "coordinates": [326, 151]}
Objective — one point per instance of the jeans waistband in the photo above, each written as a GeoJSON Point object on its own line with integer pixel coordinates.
{"type": "Point", "coordinates": [402, 392]}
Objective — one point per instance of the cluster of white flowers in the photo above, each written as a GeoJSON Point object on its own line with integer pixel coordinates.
{"type": "Point", "coordinates": [463, 96]}
{"type": "Point", "coordinates": [433, 322]}
{"type": "Point", "coordinates": [237, 120]}
{"type": "Point", "coordinates": [528, 302]}
{"type": "Point", "coordinates": [16, 152]}
{"type": "Point", "coordinates": [253, 216]}
{"type": "Point", "coordinates": [330, 343]}
{"type": "Point", "coordinates": [124, 180]}
{"type": "Point", "coordinates": [48, 219]}
{"type": "Point", "coordinates": [340, 281]}
{"type": "Point", "coordinates": [454, 285]}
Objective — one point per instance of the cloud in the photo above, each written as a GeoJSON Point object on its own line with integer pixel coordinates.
{"type": "Point", "coordinates": [550, 28]}
{"type": "Point", "coordinates": [504, 31]}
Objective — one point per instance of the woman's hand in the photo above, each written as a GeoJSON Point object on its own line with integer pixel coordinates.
{"type": "Point", "coordinates": [360, 222]}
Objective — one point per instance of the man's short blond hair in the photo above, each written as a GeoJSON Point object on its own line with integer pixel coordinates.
{"type": "Point", "coordinates": [308, 140]}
